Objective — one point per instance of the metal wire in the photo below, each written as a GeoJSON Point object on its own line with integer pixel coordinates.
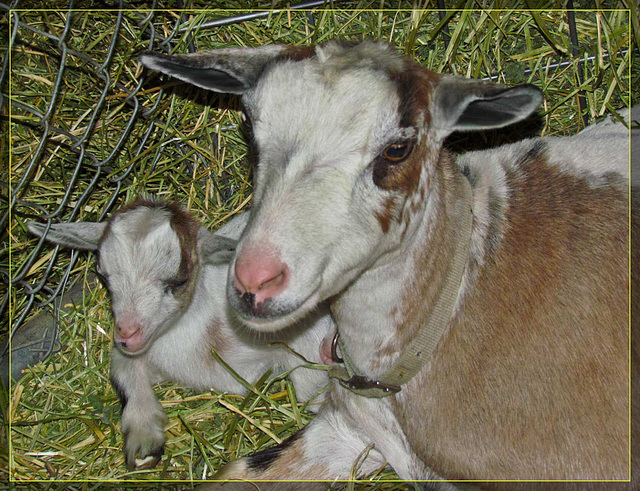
{"type": "Point", "coordinates": [86, 168]}
{"type": "Point", "coordinates": [225, 21]}
{"type": "Point", "coordinates": [18, 203]}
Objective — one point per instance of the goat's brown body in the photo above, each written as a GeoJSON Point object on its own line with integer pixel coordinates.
{"type": "Point", "coordinates": [531, 381]}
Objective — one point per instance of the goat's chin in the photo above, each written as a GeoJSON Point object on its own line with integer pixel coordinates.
{"type": "Point", "coordinates": [133, 351]}
{"type": "Point", "coordinates": [271, 324]}
{"type": "Point", "coordinates": [281, 319]}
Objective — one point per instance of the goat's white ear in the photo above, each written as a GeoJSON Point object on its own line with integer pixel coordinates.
{"type": "Point", "coordinates": [85, 236]}
{"type": "Point", "coordinates": [214, 248]}
{"type": "Point", "coordinates": [226, 70]}
{"type": "Point", "coordinates": [461, 104]}
{"type": "Point", "coordinates": [234, 227]}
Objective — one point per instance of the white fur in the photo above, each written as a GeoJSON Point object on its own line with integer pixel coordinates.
{"type": "Point", "coordinates": [301, 183]}
{"type": "Point", "coordinates": [136, 255]}
{"type": "Point", "coordinates": [318, 198]}
{"type": "Point", "coordinates": [139, 253]}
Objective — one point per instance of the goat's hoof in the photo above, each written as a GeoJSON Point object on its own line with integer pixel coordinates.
{"type": "Point", "coordinates": [148, 462]}
{"type": "Point", "coordinates": [140, 457]}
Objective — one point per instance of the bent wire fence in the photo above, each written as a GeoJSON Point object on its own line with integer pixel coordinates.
{"type": "Point", "coordinates": [88, 130]}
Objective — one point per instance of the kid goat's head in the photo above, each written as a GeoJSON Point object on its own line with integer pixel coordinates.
{"type": "Point", "coordinates": [149, 254]}
{"type": "Point", "coordinates": [346, 141]}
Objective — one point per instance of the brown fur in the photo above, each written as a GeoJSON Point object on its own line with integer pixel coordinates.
{"type": "Point", "coordinates": [384, 217]}
{"type": "Point", "coordinates": [216, 340]}
{"type": "Point", "coordinates": [436, 262]}
{"type": "Point", "coordinates": [415, 86]}
{"type": "Point", "coordinates": [186, 228]}
{"type": "Point", "coordinates": [297, 53]}
{"type": "Point", "coordinates": [533, 374]}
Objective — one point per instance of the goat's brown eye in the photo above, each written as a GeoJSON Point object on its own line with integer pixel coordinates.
{"type": "Point", "coordinates": [397, 152]}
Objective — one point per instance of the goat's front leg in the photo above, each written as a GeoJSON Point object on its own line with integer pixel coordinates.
{"type": "Point", "coordinates": [143, 418]}
{"type": "Point", "coordinates": [327, 449]}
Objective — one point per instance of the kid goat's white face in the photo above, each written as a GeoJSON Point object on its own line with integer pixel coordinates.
{"type": "Point", "coordinates": [148, 260]}
{"type": "Point", "coordinates": [341, 138]}
{"type": "Point", "coordinates": [139, 259]}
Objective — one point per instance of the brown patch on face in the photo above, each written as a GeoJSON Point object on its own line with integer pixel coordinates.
{"type": "Point", "coordinates": [297, 53]}
{"type": "Point", "coordinates": [384, 217]}
{"type": "Point", "coordinates": [186, 228]}
{"type": "Point", "coordinates": [415, 86]}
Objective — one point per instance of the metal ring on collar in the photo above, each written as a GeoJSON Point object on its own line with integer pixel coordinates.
{"type": "Point", "coordinates": [334, 349]}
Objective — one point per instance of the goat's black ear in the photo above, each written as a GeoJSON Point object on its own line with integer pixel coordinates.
{"type": "Point", "coordinates": [226, 70]}
{"type": "Point", "coordinates": [85, 236]}
{"type": "Point", "coordinates": [461, 104]}
{"type": "Point", "coordinates": [214, 248]}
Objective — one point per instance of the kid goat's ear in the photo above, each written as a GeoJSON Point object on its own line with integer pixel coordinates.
{"type": "Point", "coordinates": [461, 104]}
{"type": "Point", "coordinates": [85, 236]}
{"type": "Point", "coordinates": [226, 70]}
{"type": "Point", "coordinates": [215, 249]}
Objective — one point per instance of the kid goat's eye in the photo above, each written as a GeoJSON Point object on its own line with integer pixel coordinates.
{"type": "Point", "coordinates": [172, 286]}
{"type": "Point", "coordinates": [397, 152]}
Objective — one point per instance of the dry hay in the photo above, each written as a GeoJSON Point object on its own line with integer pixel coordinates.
{"type": "Point", "coordinates": [185, 145]}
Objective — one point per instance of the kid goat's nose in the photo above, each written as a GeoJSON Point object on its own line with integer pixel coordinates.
{"type": "Point", "coordinates": [261, 273]}
{"type": "Point", "coordinates": [129, 334]}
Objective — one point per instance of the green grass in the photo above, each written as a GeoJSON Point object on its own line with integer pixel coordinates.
{"type": "Point", "coordinates": [64, 414]}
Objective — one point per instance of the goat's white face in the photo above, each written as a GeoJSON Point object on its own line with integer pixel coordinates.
{"type": "Point", "coordinates": [140, 260]}
{"type": "Point", "coordinates": [318, 130]}
{"type": "Point", "coordinates": [345, 140]}
{"type": "Point", "coordinates": [149, 256]}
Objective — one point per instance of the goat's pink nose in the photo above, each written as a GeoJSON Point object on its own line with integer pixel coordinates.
{"type": "Point", "coordinates": [260, 273]}
{"type": "Point", "coordinates": [129, 334]}
{"type": "Point", "coordinates": [128, 328]}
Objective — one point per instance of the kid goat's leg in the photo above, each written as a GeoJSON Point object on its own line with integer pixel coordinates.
{"type": "Point", "coordinates": [143, 418]}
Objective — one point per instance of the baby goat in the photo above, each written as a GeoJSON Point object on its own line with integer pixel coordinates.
{"type": "Point", "coordinates": [166, 275]}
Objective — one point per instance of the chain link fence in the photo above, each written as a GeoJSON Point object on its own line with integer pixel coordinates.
{"type": "Point", "coordinates": [63, 131]}
{"type": "Point", "coordinates": [90, 167]}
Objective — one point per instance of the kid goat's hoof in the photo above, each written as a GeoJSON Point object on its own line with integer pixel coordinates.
{"type": "Point", "coordinates": [137, 461]}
